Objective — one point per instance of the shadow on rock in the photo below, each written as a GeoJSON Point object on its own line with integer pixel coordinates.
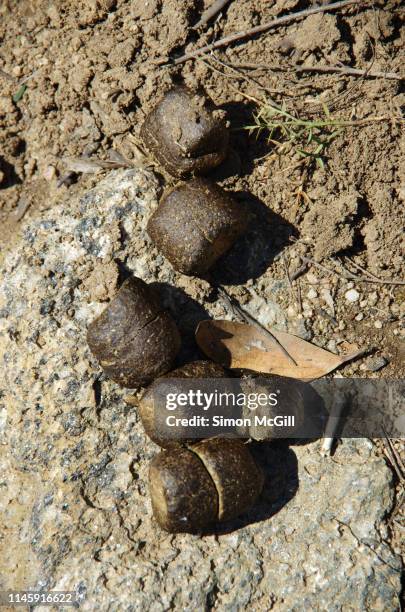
{"type": "Point", "coordinates": [279, 465]}
{"type": "Point", "coordinates": [268, 234]}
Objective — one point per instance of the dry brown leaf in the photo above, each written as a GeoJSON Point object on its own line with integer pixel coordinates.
{"type": "Point", "coordinates": [243, 346]}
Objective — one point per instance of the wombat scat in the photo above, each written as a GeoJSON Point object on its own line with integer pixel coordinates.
{"type": "Point", "coordinates": [213, 480]}
{"type": "Point", "coordinates": [195, 224]}
{"type": "Point", "coordinates": [185, 133]}
{"type": "Point", "coordinates": [134, 339]}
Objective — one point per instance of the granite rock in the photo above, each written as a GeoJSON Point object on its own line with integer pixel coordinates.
{"type": "Point", "coordinates": [74, 458]}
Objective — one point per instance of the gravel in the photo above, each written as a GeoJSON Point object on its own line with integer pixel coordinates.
{"type": "Point", "coordinates": [352, 295]}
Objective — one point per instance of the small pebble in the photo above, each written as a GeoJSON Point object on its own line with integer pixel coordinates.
{"type": "Point", "coordinates": [17, 71]}
{"type": "Point", "coordinates": [332, 346]}
{"type": "Point", "coordinates": [378, 324]}
{"type": "Point", "coordinates": [376, 363]}
{"type": "Point", "coordinates": [327, 296]}
{"type": "Point", "coordinates": [49, 173]}
{"type": "Point", "coordinates": [311, 278]}
{"type": "Point", "coordinates": [312, 294]}
{"type": "Point", "coordinates": [291, 312]}
{"type": "Point", "coordinates": [350, 285]}
{"type": "Point", "coordinates": [359, 317]}
{"type": "Point", "coordinates": [352, 295]}
{"type": "Point", "coordinates": [373, 299]}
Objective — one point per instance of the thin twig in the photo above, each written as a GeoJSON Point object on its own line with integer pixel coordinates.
{"type": "Point", "coordinates": [364, 279]}
{"type": "Point", "coordinates": [278, 21]}
{"type": "Point", "coordinates": [349, 275]}
{"type": "Point", "coordinates": [249, 319]}
{"type": "Point", "coordinates": [240, 76]}
{"type": "Point", "coordinates": [29, 77]}
{"type": "Point", "coordinates": [22, 81]}
{"type": "Point", "coordinates": [299, 297]}
{"type": "Point", "coordinates": [393, 463]}
{"type": "Point", "coordinates": [308, 260]}
{"type": "Point", "coordinates": [67, 178]}
{"type": "Point", "coordinates": [345, 70]}
{"type": "Point", "coordinates": [398, 505]}
{"type": "Point", "coordinates": [359, 267]}
{"type": "Point", "coordinates": [211, 11]}
{"type": "Point", "coordinates": [396, 458]}
{"type": "Point", "coordinates": [299, 272]}
{"type": "Point", "coordinates": [322, 68]}
{"type": "Point", "coordinates": [287, 273]}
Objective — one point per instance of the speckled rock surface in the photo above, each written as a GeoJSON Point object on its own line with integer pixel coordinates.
{"type": "Point", "coordinates": [74, 458]}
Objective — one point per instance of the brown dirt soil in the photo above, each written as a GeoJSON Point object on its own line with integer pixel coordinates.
{"type": "Point", "coordinates": [93, 73]}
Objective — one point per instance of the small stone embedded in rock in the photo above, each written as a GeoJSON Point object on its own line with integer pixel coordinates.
{"type": "Point", "coordinates": [195, 224]}
{"type": "Point", "coordinates": [185, 133]}
{"type": "Point", "coordinates": [376, 363]}
{"type": "Point", "coordinates": [352, 295]}
{"type": "Point", "coordinates": [134, 339]}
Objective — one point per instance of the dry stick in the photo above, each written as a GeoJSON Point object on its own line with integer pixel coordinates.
{"type": "Point", "coordinates": [397, 507]}
{"type": "Point", "coordinates": [359, 267]}
{"type": "Point", "coordinates": [242, 76]}
{"type": "Point", "coordinates": [390, 457]}
{"type": "Point", "coordinates": [299, 272]}
{"type": "Point", "coordinates": [364, 279]}
{"type": "Point", "coordinates": [308, 260]}
{"type": "Point", "coordinates": [345, 70]}
{"type": "Point", "coordinates": [397, 456]}
{"type": "Point", "coordinates": [211, 11]}
{"type": "Point", "coordinates": [249, 319]}
{"type": "Point", "coordinates": [299, 296]}
{"type": "Point", "coordinates": [349, 275]}
{"type": "Point", "coordinates": [68, 177]}
{"type": "Point", "coordinates": [287, 272]}
{"type": "Point", "coordinates": [278, 21]}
